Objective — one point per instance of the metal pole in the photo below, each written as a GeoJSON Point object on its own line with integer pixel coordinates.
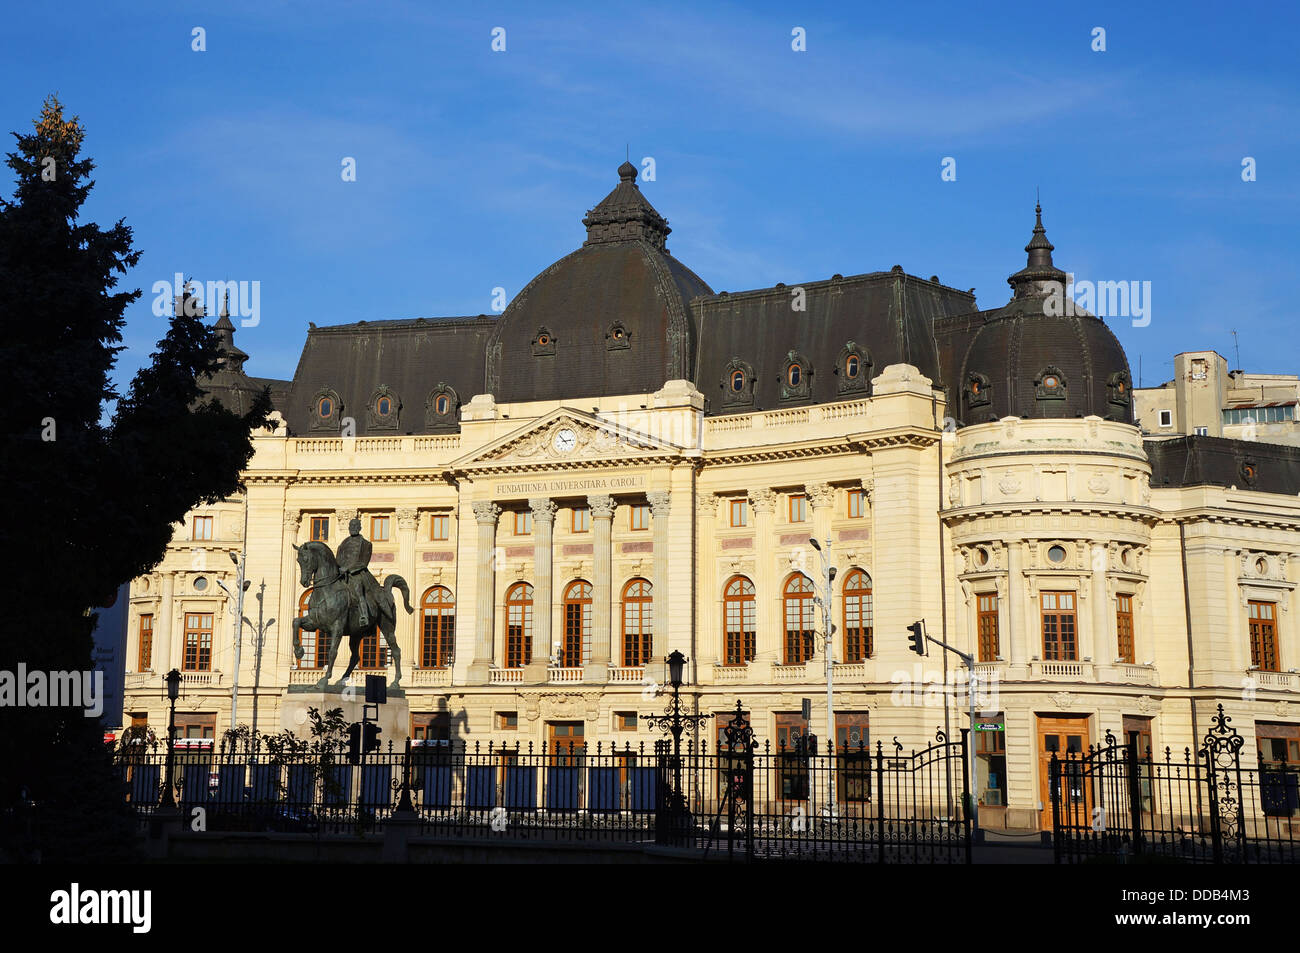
{"type": "Point", "coordinates": [974, 797]}
{"type": "Point", "coordinates": [239, 621]}
{"type": "Point", "coordinates": [830, 674]}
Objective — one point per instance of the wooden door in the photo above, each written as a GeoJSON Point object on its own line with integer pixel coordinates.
{"type": "Point", "coordinates": [1062, 735]}
{"type": "Point", "coordinates": [565, 740]}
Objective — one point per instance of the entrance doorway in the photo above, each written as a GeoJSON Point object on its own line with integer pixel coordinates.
{"type": "Point", "coordinates": [1062, 735]}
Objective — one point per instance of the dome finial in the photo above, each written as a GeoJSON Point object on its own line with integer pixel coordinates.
{"type": "Point", "coordinates": [1039, 270]}
{"type": "Point", "coordinates": [627, 172]}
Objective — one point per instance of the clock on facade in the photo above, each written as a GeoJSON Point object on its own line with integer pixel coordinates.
{"type": "Point", "coordinates": [564, 440]}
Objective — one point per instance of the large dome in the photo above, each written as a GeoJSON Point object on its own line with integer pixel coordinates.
{"type": "Point", "coordinates": [1032, 360]}
{"type": "Point", "coordinates": [614, 317]}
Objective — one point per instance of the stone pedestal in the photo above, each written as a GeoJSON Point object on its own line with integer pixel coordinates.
{"type": "Point", "coordinates": [394, 719]}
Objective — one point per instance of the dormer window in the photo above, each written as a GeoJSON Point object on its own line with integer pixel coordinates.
{"type": "Point", "coordinates": [325, 410]}
{"type": "Point", "coordinates": [617, 338]}
{"type": "Point", "coordinates": [440, 409]}
{"type": "Point", "coordinates": [383, 410]}
{"type": "Point", "coordinates": [795, 384]}
{"type": "Point", "coordinates": [543, 342]}
{"type": "Point", "coordinates": [977, 391]}
{"type": "Point", "coordinates": [737, 385]}
{"type": "Point", "coordinates": [1117, 389]}
{"type": "Point", "coordinates": [1050, 384]}
{"type": "Point", "coordinates": [853, 371]}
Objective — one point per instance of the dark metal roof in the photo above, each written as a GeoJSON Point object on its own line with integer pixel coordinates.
{"type": "Point", "coordinates": [1218, 461]}
{"type": "Point", "coordinates": [888, 316]}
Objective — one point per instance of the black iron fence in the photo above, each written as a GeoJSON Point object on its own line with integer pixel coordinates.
{"type": "Point", "coordinates": [890, 804]}
{"type": "Point", "coordinates": [1120, 802]}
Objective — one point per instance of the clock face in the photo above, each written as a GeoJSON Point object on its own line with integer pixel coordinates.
{"type": "Point", "coordinates": [565, 440]}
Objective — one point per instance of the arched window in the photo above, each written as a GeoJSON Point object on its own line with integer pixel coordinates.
{"type": "Point", "coordinates": [315, 645]}
{"type": "Point", "coordinates": [794, 374]}
{"type": "Point", "coordinates": [442, 404]}
{"type": "Point", "coordinates": [739, 621]}
{"type": "Point", "coordinates": [852, 364]}
{"type": "Point", "coordinates": [857, 617]}
{"type": "Point", "coordinates": [798, 599]}
{"type": "Point", "coordinates": [737, 381]}
{"type": "Point", "coordinates": [325, 407]}
{"type": "Point", "coordinates": [519, 625]}
{"type": "Point", "coordinates": [577, 625]}
{"type": "Point", "coordinates": [438, 628]}
{"type": "Point", "coordinates": [384, 406]}
{"type": "Point", "coordinates": [638, 607]}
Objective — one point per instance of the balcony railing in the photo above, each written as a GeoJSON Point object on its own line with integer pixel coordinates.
{"type": "Point", "coordinates": [1061, 669]}
{"type": "Point", "coordinates": [729, 673]}
{"type": "Point", "coordinates": [625, 674]}
{"type": "Point", "coordinates": [1276, 680]}
{"type": "Point", "coordinates": [789, 673]}
{"type": "Point", "coordinates": [564, 675]}
{"type": "Point", "coordinates": [430, 677]}
{"type": "Point", "coordinates": [506, 676]}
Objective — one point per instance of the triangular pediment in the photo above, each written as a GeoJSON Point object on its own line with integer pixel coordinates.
{"type": "Point", "coordinates": [567, 436]}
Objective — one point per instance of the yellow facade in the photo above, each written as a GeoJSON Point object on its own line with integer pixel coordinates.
{"type": "Point", "coordinates": [947, 516]}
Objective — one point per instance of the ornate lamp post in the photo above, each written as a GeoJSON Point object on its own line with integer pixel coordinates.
{"type": "Point", "coordinates": [173, 692]}
{"type": "Point", "coordinates": [672, 721]}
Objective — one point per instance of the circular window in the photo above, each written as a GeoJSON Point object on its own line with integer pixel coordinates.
{"type": "Point", "coordinates": [982, 556]}
{"type": "Point", "coordinates": [543, 339]}
{"type": "Point", "coordinates": [737, 381]}
{"type": "Point", "coordinates": [442, 404]}
{"type": "Point", "coordinates": [200, 583]}
{"type": "Point", "coordinates": [975, 387]}
{"type": "Point", "coordinates": [851, 366]}
{"type": "Point", "coordinates": [1261, 565]}
{"type": "Point", "coordinates": [618, 334]}
{"type": "Point", "coordinates": [1051, 381]}
{"type": "Point", "coordinates": [385, 407]}
{"type": "Point", "coordinates": [325, 407]}
{"type": "Point", "coordinates": [794, 375]}
{"type": "Point", "coordinates": [1056, 554]}
{"type": "Point", "coordinates": [1248, 472]}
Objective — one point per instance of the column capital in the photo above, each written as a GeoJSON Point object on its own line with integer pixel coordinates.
{"type": "Point", "coordinates": [820, 494]}
{"type": "Point", "coordinates": [486, 511]}
{"type": "Point", "coordinates": [543, 509]}
{"type": "Point", "coordinates": [344, 517]}
{"type": "Point", "coordinates": [292, 519]}
{"type": "Point", "coordinates": [660, 502]}
{"type": "Point", "coordinates": [708, 505]}
{"type": "Point", "coordinates": [763, 500]}
{"type": "Point", "coordinates": [408, 517]}
{"type": "Point", "coordinates": [602, 506]}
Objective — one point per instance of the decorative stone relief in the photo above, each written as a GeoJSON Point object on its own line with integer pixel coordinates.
{"type": "Point", "coordinates": [1061, 699]}
{"type": "Point", "coordinates": [1099, 484]}
{"type": "Point", "coordinates": [1009, 484]}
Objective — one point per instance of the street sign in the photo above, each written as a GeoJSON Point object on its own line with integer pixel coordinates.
{"type": "Point", "coordinates": [989, 726]}
{"type": "Point", "coordinates": [376, 689]}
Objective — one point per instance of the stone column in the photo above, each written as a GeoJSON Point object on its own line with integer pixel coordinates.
{"type": "Point", "coordinates": [162, 636]}
{"type": "Point", "coordinates": [708, 596]}
{"type": "Point", "coordinates": [1104, 649]}
{"type": "Point", "coordinates": [485, 514]}
{"type": "Point", "coordinates": [767, 608]}
{"type": "Point", "coordinates": [822, 498]}
{"type": "Point", "coordinates": [543, 586]}
{"type": "Point", "coordinates": [407, 631]}
{"type": "Point", "coordinates": [289, 591]}
{"type": "Point", "coordinates": [660, 504]}
{"type": "Point", "coordinates": [1018, 616]}
{"type": "Point", "coordinates": [604, 653]}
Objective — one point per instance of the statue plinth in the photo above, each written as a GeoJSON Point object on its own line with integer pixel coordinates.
{"type": "Point", "coordinates": [394, 716]}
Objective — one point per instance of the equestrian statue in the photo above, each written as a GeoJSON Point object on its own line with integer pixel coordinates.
{"type": "Point", "coordinates": [346, 600]}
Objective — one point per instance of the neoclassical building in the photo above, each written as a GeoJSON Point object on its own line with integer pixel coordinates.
{"type": "Point", "coordinates": [626, 462]}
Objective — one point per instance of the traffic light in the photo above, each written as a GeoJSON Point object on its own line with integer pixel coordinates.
{"type": "Point", "coordinates": [354, 743]}
{"type": "Point", "coordinates": [369, 737]}
{"type": "Point", "coordinates": [917, 638]}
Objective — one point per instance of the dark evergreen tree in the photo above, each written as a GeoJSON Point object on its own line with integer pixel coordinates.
{"type": "Point", "coordinates": [93, 481]}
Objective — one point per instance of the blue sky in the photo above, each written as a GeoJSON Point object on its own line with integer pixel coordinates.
{"type": "Point", "coordinates": [475, 167]}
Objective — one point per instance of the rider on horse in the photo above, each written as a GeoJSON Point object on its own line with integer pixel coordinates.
{"type": "Point", "coordinates": [353, 557]}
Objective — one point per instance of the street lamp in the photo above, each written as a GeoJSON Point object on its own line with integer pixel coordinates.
{"type": "Point", "coordinates": [672, 721]}
{"type": "Point", "coordinates": [242, 584]}
{"type": "Point", "coordinates": [828, 577]}
{"type": "Point", "coordinates": [173, 679]}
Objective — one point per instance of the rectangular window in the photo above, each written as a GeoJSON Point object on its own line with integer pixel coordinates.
{"type": "Point", "coordinates": [320, 529]}
{"type": "Point", "coordinates": [798, 507]}
{"type": "Point", "coordinates": [581, 519]}
{"type": "Point", "coordinates": [1263, 636]}
{"type": "Point", "coordinates": [988, 626]}
{"type": "Point", "coordinates": [1124, 627]}
{"type": "Point", "coordinates": [791, 758]}
{"type": "Point", "coordinates": [857, 504]}
{"type": "Point", "coordinates": [1166, 418]}
{"type": "Point", "coordinates": [524, 523]}
{"type": "Point", "coordinates": [640, 516]}
{"type": "Point", "coordinates": [198, 642]}
{"type": "Point", "coordinates": [1201, 431]}
{"type": "Point", "coordinates": [852, 741]}
{"type": "Point", "coordinates": [431, 728]}
{"type": "Point", "coordinates": [1059, 638]}
{"type": "Point", "coordinates": [202, 527]}
{"type": "Point", "coordinates": [508, 720]}
{"type": "Point", "coordinates": [374, 651]}
{"type": "Point", "coordinates": [739, 512]}
{"type": "Point", "coordinates": [145, 661]}
{"type": "Point", "coordinates": [379, 529]}
{"type": "Point", "coordinates": [742, 636]}
{"type": "Point", "coordinates": [440, 526]}
{"type": "Point", "coordinates": [196, 726]}
{"type": "Point", "coordinates": [625, 721]}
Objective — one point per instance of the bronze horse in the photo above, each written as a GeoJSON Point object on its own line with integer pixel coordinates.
{"type": "Point", "coordinates": [332, 613]}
